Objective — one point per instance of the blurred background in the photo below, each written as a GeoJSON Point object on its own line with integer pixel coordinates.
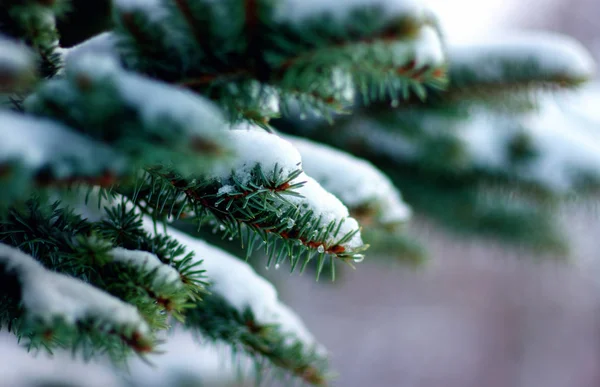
{"type": "Point", "coordinates": [478, 313]}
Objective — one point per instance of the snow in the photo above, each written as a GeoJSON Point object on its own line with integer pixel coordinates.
{"type": "Point", "coordinates": [253, 145]}
{"type": "Point", "coordinates": [15, 57]}
{"type": "Point", "coordinates": [147, 262]}
{"type": "Point", "coordinates": [48, 295]}
{"type": "Point", "coordinates": [355, 181]}
{"type": "Point", "coordinates": [241, 286]}
{"type": "Point", "coordinates": [564, 148]}
{"type": "Point", "coordinates": [184, 357]}
{"type": "Point", "coordinates": [20, 368]}
{"type": "Point", "coordinates": [328, 208]}
{"type": "Point", "coordinates": [555, 55]}
{"type": "Point", "coordinates": [38, 142]}
{"type": "Point", "coordinates": [157, 101]}
{"type": "Point", "coordinates": [102, 44]}
{"type": "Point", "coordinates": [296, 11]}
{"type": "Point", "coordinates": [429, 48]}
{"type": "Point", "coordinates": [189, 359]}
{"type": "Point", "coordinates": [425, 49]}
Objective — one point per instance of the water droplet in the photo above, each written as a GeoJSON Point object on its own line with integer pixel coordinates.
{"type": "Point", "coordinates": [290, 222]}
{"type": "Point", "coordinates": [266, 267]}
{"type": "Point", "coordinates": [321, 249]}
{"type": "Point", "coordinates": [277, 266]}
{"type": "Point", "coordinates": [358, 258]}
{"type": "Point", "coordinates": [221, 227]}
{"type": "Point", "coordinates": [394, 103]}
{"type": "Point", "coordinates": [230, 238]}
{"type": "Point", "coordinates": [302, 116]}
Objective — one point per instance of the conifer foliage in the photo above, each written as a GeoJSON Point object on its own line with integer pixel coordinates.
{"type": "Point", "coordinates": [186, 121]}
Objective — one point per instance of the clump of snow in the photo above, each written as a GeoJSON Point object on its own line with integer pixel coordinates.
{"type": "Point", "coordinates": [37, 142]}
{"type": "Point", "coordinates": [241, 286]}
{"type": "Point", "coordinates": [429, 48]}
{"type": "Point", "coordinates": [254, 146]}
{"type": "Point", "coordinates": [550, 55]}
{"type": "Point", "coordinates": [355, 181]}
{"type": "Point", "coordinates": [15, 58]}
{"type": "Point", "coordinates": [328, 208]}
{"type": "Point", "coordinates": [297, 11]}
{"type": "Point", "coordinates": [564, 149]}
{"type": "Point", "coordinates": [156, 100]}
{"type": "Point", "coordinates": [102, 44]}
{"type": "Point", "coordinates": [48, 295]}
{"type": "Point", "coordinates": [148, 262]}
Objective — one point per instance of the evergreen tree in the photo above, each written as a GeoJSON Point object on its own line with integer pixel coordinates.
{"type": "Point", "coordinates": [241, 122]}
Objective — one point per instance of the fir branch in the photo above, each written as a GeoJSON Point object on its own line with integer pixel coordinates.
{"type": "Point", "coordinates": [62, 240]}
{"type": "Point", "coordinates": [216, 320]}
{"type": "Point", "coordinates": [57, 310]}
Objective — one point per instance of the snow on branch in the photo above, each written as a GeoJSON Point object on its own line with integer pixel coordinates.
{"type": "Point", "coordinates": [147, 262]}
{"type": "Point", "coordinates": [266, 327]}
{"type": "Point", "coordinates": [383, 47]}
{"type": "Point", "coordinates": [520, 58]}
{"type": "Point", "coordinates": [151, 121]}
{"type": "Point", "coordinates": [50, 298]}
{"type": "Point", "coordinates": [265, 190]}
{"type": "Point", "coordinates": [34, 150]}
{"type": "Point", "coordinates": [17, 65]}
{"type": "Point", "coordinates": [366, 191]}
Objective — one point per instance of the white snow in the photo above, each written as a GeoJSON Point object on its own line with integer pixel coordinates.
{"type": "Point", "coordinates": [565, 148]}
{"type": "Point", "coordinates": [48, 295]}
{"type": "Point", "coordinates": [15, 57]}
{"type": "Point", "coordinates": [296, 11]}
{"type": "Point", "coordinates": [190, 359]}
{"type": "Point", "coordinates": [148, 262]}
{"type": "Point", "coordinates": [241, 286]}
{"type": "Point", "coordinates": [329, 209]}
{"type": "Point", "coordinates": [102, 44]}
{"type": "Point", "coordinates": [37, 142]}
{"type": "Point", "coordinates": [355, 181]}
{"type": "Point", "coordinates": [157, 100]}
{"type": "Point", "coordinates": [555, 55]}
{"type": "Point", "coordinates": [254, 146]}
{"type": "Point", "coordinates": [429, 48]}
{"type": "Point", "coordinates": [184, 357]}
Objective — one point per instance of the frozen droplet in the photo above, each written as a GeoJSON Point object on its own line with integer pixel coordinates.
{"type": "Point", "coordinates": [267, 267]}
{"type": "Point", "coordinates": [277, 266]}
{"type": "Point", "coordinates": [290, 222]}
{"type": "Point", "coordinates": [358, 258]}
{"type": "Point", "coordinates": [321, 249]}
{"type": "Point", "coordinates": [230, 238]}
{"type": "Point", "coordinates": [394, 103]}
{"type": "Point", "coordinates": [302, 116]}
{"type": "Point", "coordinates": [222, 227]}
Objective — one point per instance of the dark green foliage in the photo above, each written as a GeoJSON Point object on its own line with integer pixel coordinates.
{"type": "Point", "coordinates": [64, 241]}
{"type": "Point", "coordinates": [260, 52]}
{"type": "Point", "coordinates": [257, 211]}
